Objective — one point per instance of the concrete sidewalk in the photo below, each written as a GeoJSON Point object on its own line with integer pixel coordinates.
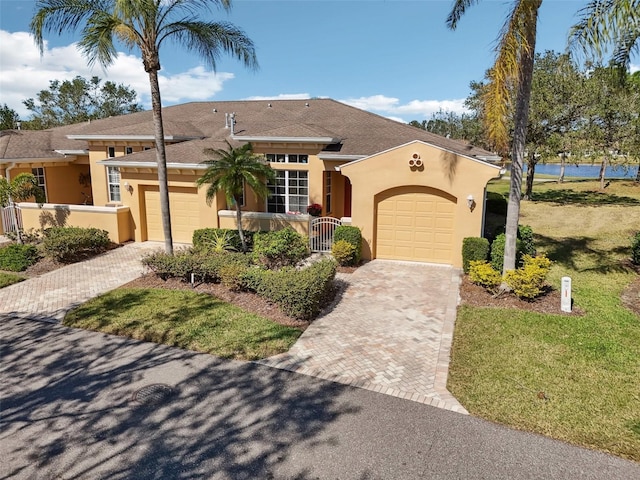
{"type": "Point", "coordinates": [50, 296]}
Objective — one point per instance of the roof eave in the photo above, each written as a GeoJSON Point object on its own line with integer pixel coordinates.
{"type": "Point", "coordinates": [249, 138]}
{"type": "Point", "coordinates": [131, 137]}
{"type": "Point", "coordinates": [339, 158]}
{"type": "Point", "coordinates": [119, 163]}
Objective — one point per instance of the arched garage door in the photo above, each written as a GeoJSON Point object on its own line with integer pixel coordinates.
{"type": "Point", "coordinates": [416, 224]}
{"type": "Point", "coordinates": [185, 214]}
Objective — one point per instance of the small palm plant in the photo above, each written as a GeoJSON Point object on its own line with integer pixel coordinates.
{"type": "Point", "coordinates": [229, 171]}
{"type": "Point", "coordinates": [22, 188]}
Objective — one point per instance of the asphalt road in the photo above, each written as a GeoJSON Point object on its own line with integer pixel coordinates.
{"type": "Point", "coordinates": [82, 405]}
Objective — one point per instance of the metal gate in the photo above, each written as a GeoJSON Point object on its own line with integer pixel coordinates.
{"type": "Point", "coordinates": [9, 222]}
{"type": "Point", "coordinates": [321, 233]}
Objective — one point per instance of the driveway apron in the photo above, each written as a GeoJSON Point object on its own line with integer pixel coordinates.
{"type": "Point", "coordinates": [50, 296]}
{"type": "Point", "coordinates": [390, 332]}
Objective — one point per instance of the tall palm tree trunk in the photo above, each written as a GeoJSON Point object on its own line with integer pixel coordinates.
{"type": "Point", "coordinates": [239, 222]}
{"type": "Point", "coordinates": [519, 139]}
{"type": "Point", "coordinates": [161, 158]}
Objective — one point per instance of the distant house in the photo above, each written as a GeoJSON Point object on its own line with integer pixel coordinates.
{"type": "Point", "coordinates": [407, 189]}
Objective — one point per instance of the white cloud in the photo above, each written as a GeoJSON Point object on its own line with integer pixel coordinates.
{"type": "Point", "coordinates": [413, 110]}
{"type": "Point", "coordinates": [282, 96]}
{"type": "Point", "coordinates": [24, 73]}
{"type": "Point", "coordinates": [634, 68]}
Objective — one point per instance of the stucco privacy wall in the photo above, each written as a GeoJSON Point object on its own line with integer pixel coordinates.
{"type": "Point", "coordinates": [115, 220]}
{"type": "Point", "coordinates": [455, 175]}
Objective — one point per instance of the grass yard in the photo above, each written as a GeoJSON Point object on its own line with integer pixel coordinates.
{"type": "Point", "coordinates": [7, 279]}
{"type": "Point", "coordinates": [575, 378]}
{"type": "Point", "coordinates": [185, 319]}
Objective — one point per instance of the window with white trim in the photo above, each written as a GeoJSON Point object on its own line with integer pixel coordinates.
{"type": "Point", "coordinates": [111, 152]}
{"type": "Point", "coordinates": [42, 181]}
{"type": "Point", "coordinates": [128, 150]}
{"type": "Point", "coordinates": [286, 158]}
{"type": "Point", "coordinates": [289, 192]}
{"type": "Point", "coordinates": [327, 191]}
{"type": "Point", "coordinates": [113, 182]}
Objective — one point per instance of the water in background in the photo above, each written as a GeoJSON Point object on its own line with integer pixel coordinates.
{"type": "Point", "coordinates": [586, 171]}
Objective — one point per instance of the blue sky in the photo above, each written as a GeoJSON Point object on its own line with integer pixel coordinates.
{"type": "Point", "coordinates": [393, 57]}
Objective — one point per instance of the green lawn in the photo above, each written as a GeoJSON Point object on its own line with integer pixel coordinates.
{"type": "Point", "coordinates": [184, 319]}
{"type": "Point", "coordinates": [575, 378]}
{"type": "Point", "coordinates": [7, 279]}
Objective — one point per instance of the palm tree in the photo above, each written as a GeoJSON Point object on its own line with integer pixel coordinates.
{"type": "Point", "coordinates": [145, 25]}
{"type": "Point", "coordinates": [22, 188]}
{"type": "Point", "coordinates": [608, 25]}
{"type": "Point", "coordinates": [229, 171]}
{"type": "Point", "coordinates": [512, 71]}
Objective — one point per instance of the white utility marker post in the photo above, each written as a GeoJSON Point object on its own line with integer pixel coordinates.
{"type": "Point", "coordinates": [565, 300]}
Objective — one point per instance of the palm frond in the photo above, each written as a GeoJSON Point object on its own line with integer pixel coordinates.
{"type": "Point", "coordinates": [458, 10]}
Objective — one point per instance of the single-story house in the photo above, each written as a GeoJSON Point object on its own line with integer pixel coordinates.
{"type": "Point", "coordinates": [415, 195]}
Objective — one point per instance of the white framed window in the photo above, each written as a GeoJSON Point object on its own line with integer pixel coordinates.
{"type": "Point", "coordinates": [111, 152]}
{"type": "Point", "coordinates": [327, 191]}
{"type": "Point", "coordinates": [113, 182]}
{"type": "Point", "coordinates": [128, 150]}
{"type": "Point", "coordinates": [289, 192]}
{"type": "Point", "coordinates": [42, 181]}
{"type": "Point", "coordinates": [287, 158]}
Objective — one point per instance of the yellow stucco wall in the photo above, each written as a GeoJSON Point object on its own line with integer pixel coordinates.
{"type": "Point", "coordinates": [443, 171]}
{"type": "Point", "coordinates": [256, 222]}
{"type": "Point", "coordinates": [115, 220]}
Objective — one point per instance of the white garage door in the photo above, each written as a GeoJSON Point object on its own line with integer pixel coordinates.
{"type": "Point", "coordinates": [416, 227]}
{"type": "Point", "coordinates": [185, 216]}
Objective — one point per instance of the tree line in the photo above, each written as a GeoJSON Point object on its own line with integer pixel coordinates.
{"type": "Point", "coordinates": [72, 101]}
{"type": "Point", "coordinates": [576, 114]}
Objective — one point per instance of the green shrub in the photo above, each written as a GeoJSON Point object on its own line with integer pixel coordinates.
{"type": "Point", "coordinates": [474, 248]}
{"type": "Point", "coordinates": [217, 239]}
{"type": "Point", "coordinates": [496, 204]}
{"type": "Point", "coordinates": [635, 249]}
{"type": "Point", "coordinates": [17, 258]}
{"type": "Point", "coordinates": [483, 274]}
{"type": "Point", "coordinates": [299, 293]}
{"type": "Point", "coordinates": [179, 265]}
{"type": "Point", "coordinates": [527, 246]}
{"type": "Point", "coordinates": [232, 275]}
{"type": "Point", "coordinates": [67, 244]}
{"type": "Point", "coordinates": [528, 282]}
{"type": "Point", "coordinates": [497, 252]}
{"type": "Point", "coordinates": [344, 253]}
{"type": "Point", "coordinates": [350, 234]}
{"type": "Point", "coordinates": [280, 248]}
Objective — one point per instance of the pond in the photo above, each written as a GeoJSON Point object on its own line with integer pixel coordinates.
{"type": "Point", "coordinates": [586, 170]}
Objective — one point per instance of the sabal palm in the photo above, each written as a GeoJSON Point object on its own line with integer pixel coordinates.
{"type": "Point", "coordinates": [512, 71]}
{"type": "Point", "coordinates": [608, 25]}
{"type": "Point", "coordinates": [145, 25]}
{"type": "Point", "coordinates": [229, 171]}
{"type": "Point", "coordinates": [21, 188]}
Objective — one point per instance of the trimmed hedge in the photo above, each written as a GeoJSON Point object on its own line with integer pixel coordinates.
{"type": "Point", "coordinates": [528, 282]}
{"type": "Point", "coordinates": [299, 293]}
{"type": "Point", "coordinates": [209, 239]}
{"type": "Point", "coordinates": [524, 246]}
{"type": "Point", "coordinates": [206, 267]}
{"type": "Point", "coordinates": [17, 258]}
{"type": "Point", "coordinates": [635, 249]}
{"type": "Point", "coordinates": [280, 248]}
{"type": "Point", "coordinates": [350, 234]}
{"type": "Point", "coordinates": [344, 253]}
{"type": "Point", "coordinates": [474, 248]}
{"type": "Point", "coordinates": [67, 244]}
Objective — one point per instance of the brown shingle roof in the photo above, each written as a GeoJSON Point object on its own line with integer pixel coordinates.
{"type": "Point", "coordinates": [360, 132]}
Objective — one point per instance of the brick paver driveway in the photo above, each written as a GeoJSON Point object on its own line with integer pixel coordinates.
{"type": "Point", "coordinates": [390, 332]}
{"type": "Point", "coordinates": [50, 296]}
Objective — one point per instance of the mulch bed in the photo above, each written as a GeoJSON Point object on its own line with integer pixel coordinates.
{"type": "Point", "coordinates": [477, 296]}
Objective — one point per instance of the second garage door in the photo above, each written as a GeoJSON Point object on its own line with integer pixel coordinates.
{"type": "Point", "coordinates": [185, 214]}
{"type": "Point", "coordinates": [415, 226]}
